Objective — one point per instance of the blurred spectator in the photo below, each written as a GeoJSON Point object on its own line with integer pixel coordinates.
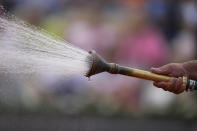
{"type": "Point", "coordinates": [1, 9]}
{"type": "Point", "coordinates": [189, 13]}
{"type": "Point", "coordinates": [9, 5]}
{"type": "Point", "coordinates": [91, 33]}
{"type": "Point", "coordinates": [166, 15]}
{"type": "Point", "coordinates": [143, 44]}
{"type": "Point", "coordinates": [184, 45]}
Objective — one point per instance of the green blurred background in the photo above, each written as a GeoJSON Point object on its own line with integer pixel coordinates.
{"type": "Point", "coordinates": [135, 33]}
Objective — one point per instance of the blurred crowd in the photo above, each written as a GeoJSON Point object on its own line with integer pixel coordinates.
{"type": "Point", "coordinates": [136, 33]}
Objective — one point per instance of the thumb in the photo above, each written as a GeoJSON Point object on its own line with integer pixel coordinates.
{"type": "Point", "coordinates": [164, 70]}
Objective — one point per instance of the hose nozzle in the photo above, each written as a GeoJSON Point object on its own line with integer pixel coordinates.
{"type": "Point", "coordinates": [100, 65]}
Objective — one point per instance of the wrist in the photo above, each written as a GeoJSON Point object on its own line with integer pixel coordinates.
{"type": "Point", "coordinates": [185, 68]}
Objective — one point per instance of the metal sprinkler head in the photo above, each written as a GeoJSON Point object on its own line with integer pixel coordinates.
{"type": "Point", "coordinates": [100, 65]}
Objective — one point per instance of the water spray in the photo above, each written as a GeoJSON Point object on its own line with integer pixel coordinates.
{"type": "Point", "coordinates": [25, 49]}
{"type": "Point", "coordinates": [99, 65]}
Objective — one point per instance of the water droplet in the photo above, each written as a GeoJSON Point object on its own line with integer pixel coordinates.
{"type": "Point", "coordinates": [89, 79]}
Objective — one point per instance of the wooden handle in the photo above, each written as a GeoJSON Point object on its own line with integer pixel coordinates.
{"type": "Point", "coordinates": [148, 75]}
{"type": "Point", "coordinates": [142, 74]}
{"type": "Point", "coordinates": [189, 84]}
{"type": "Point", "coordinates": [117, 69]}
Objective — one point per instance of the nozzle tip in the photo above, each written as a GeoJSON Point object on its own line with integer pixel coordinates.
{"type": "Point", "coordinates": [98, 64]}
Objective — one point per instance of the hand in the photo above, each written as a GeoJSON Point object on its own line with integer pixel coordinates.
{"type": "Point", "coordinates": [175, 84]}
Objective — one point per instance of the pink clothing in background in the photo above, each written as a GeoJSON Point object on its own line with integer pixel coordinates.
{"type": "Point", "coordinates": [145, 47]}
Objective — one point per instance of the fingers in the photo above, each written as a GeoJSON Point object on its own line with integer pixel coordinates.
{"type": "Point", "coordinates": [182, 89]}
{"type": "Point", "coordinates": [174, 85]}
{"type": "Point", "coordinates": [164, 70]}
{"type": "Point", "coordinates": [179, 86]}
{"type": "Point", "coordinates": [172, 69]}
{"type": "Point", "coordinates": [164, 85]}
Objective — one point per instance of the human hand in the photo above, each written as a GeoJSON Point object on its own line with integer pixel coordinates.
{"type": "Point", "coordinates": [176, 71]}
